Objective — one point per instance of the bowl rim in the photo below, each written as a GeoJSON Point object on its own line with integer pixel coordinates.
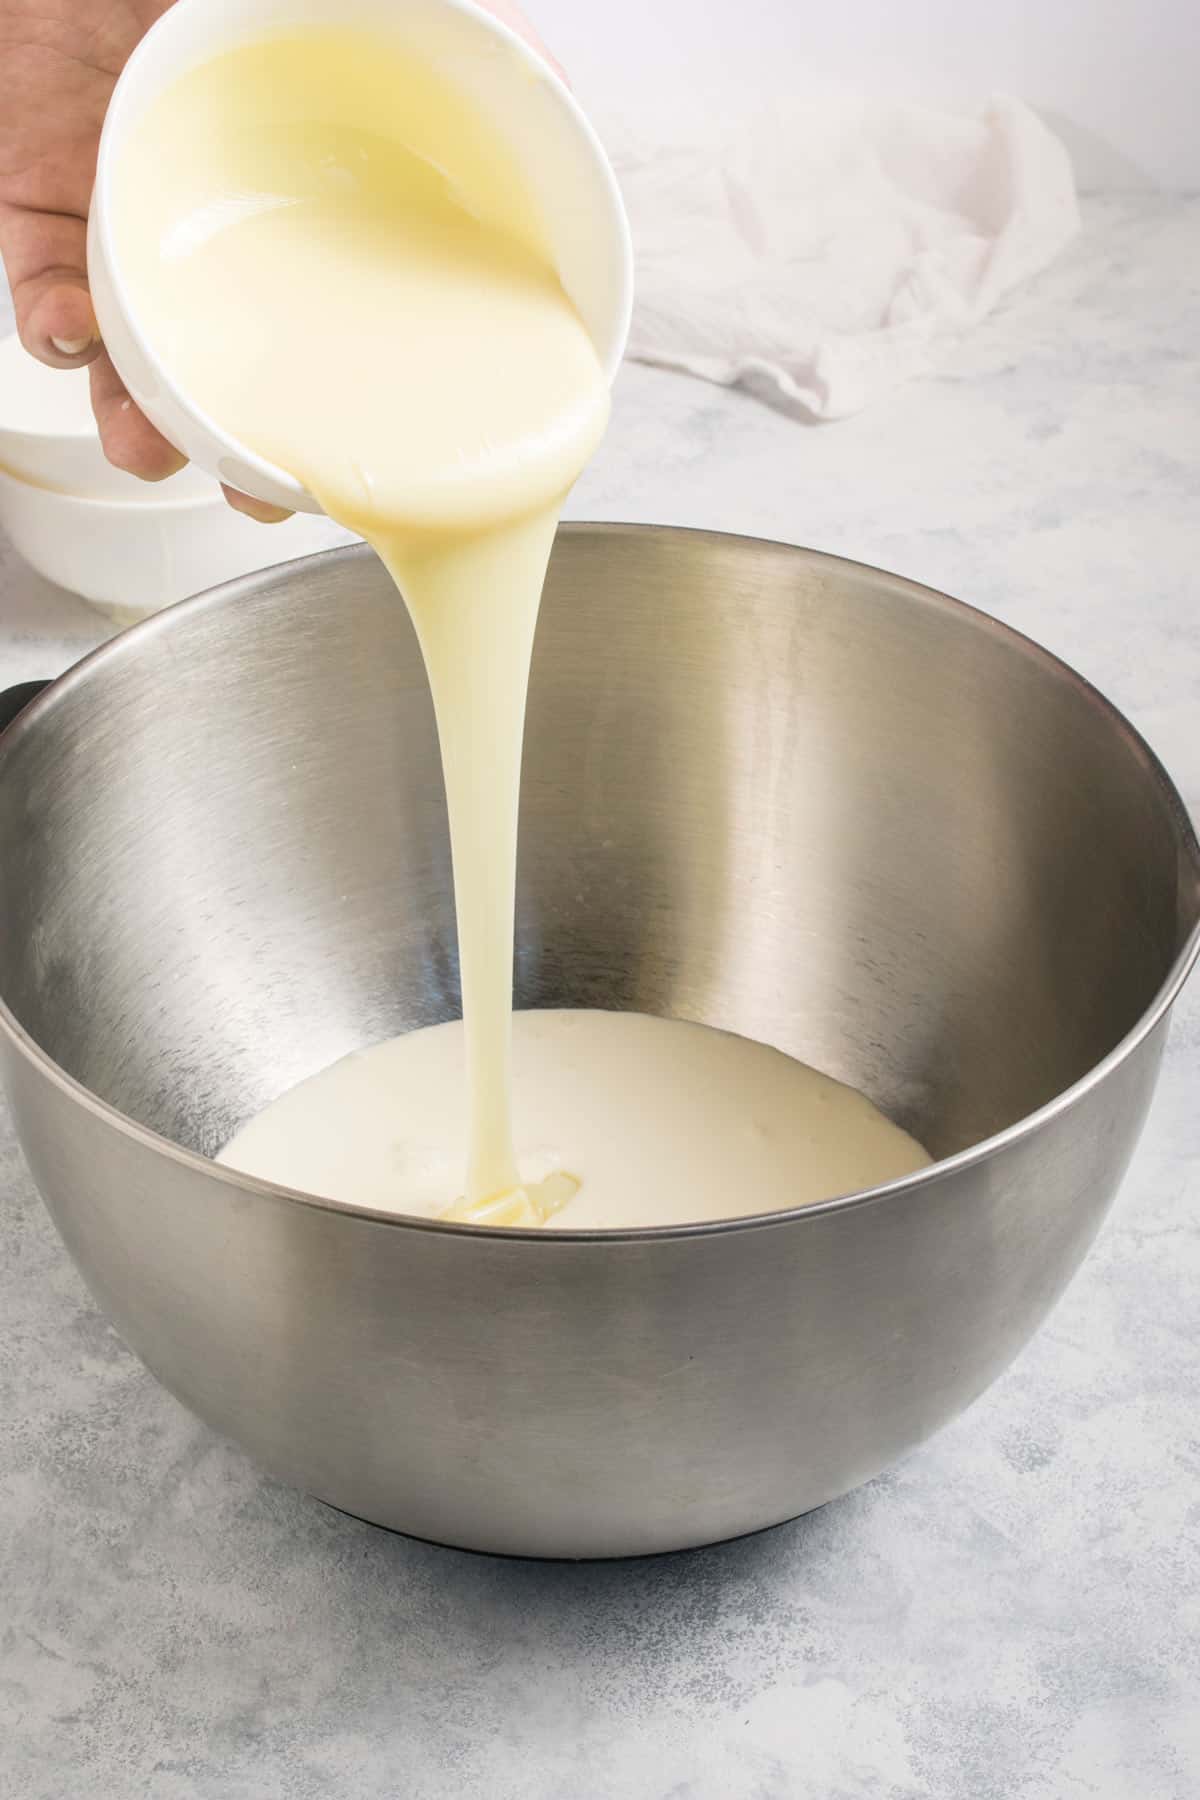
{"type": "Point", "coordinates": [154, 501]}
{"type": "Point", "coordinates": [19, 434]}
{"type": "Point", "coordinates": [126, 644]}
{"type": "Point", "coordinates": [84, 433]}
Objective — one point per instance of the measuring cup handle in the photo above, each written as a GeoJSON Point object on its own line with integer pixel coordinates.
{"type": "Point", "coordinates": [14, 700]}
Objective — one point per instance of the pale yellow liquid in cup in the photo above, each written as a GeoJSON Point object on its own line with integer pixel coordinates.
{"type": "Point", "coordinates": [338, 259]}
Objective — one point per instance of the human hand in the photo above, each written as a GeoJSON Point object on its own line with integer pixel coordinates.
{"type": "Point", "coordinates": [59, 63]}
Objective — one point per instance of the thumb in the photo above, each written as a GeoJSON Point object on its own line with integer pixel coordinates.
{"type": "Point", "coordinates": [45, 255]}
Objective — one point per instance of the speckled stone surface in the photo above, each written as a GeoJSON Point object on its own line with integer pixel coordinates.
{"type": "Point", "coordinates": [1014, 1614]}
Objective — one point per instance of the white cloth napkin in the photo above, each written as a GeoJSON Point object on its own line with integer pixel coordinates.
{"type": "Point", "coordinates": [822, 253]}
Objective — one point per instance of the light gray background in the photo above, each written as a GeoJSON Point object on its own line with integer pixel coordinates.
{"type": "Point", "coordinates": [1117, 81]}
{"type": "Point", "coordinates": [1013, 1613]}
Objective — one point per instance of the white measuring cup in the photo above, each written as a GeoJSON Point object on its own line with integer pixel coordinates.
{"type": "Point", "coordinates": [558, 152]}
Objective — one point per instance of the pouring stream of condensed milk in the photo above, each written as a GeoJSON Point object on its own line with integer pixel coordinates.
{"type": "Point", "coordinates": [377, 315]}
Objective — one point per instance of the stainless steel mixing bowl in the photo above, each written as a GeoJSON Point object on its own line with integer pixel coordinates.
{"type": "Point", "coordinates": [783, 794]}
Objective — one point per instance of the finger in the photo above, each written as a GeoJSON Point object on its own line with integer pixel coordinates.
{"type": "Point", "coordinates": [45, 255]}
{"type": "Point", "coordinates": [262, 510]}
{"type": "Point", "coordinates": [130, 441]}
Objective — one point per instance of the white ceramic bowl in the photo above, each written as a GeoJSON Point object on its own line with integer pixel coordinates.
{"type": "Point", "coordinates": [49, 437]}
{"type": "Point", "coordinates": [556, 148]}
{"type": "Point", "coordinates": [132, 559]}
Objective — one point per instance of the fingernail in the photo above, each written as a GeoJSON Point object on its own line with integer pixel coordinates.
{"type": "Point", "coordinates": [71, 346]}
{"type": "Point", "coordinates": [261, 511]}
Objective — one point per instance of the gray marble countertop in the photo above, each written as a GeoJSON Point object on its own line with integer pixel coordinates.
{"type": "Point", "coordinates": [1013, 1614]}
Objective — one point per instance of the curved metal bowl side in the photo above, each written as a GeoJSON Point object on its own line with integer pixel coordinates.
{"type": "Point", "coordinates": [787, 795]}
{"type": "Point", "coordinates": [586, 1399]}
